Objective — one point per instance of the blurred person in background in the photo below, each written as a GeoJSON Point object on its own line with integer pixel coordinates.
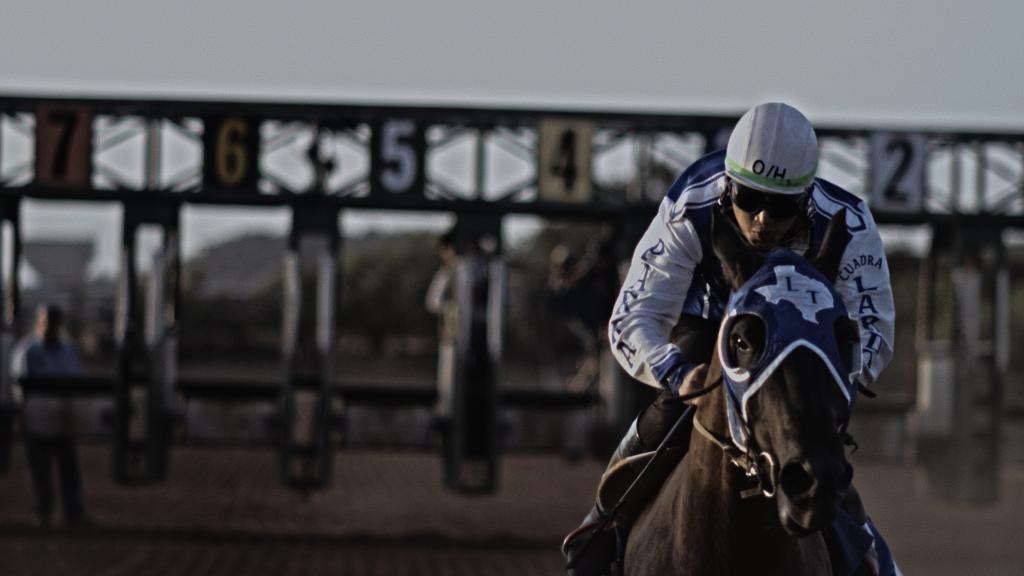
{"type": "Point", "coordinates": [581, 292]}
{"type": "Point", "coordinates": [440, 301]}
{"type": "Point", "coordinates": [47, 419]}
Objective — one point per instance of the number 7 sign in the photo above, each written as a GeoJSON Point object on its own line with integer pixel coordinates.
{"type": "Point", "coordinates": [63, 145]}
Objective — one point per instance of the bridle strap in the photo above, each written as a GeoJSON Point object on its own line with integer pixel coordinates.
{"type": "Point", "coordinates": [720, 441]}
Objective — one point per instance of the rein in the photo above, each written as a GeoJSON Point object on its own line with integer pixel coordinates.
{"type": "Point", "coordinates": [665, 442]}
{"type": "Point", "coordinates": [608, 517]}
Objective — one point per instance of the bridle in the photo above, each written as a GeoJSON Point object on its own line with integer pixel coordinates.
{"type": "Point", "coordinates": [757, 465]}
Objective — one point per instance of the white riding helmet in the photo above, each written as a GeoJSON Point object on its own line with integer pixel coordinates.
{"type": "Point", "coordinates": [773, 148]}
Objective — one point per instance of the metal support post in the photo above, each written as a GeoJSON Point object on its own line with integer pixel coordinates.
{"type": "Point", "coordinates": [146, 349]}
{"type": "Point", "coordinates": [306, 419]}
{"type": "Point", "coordinates": [959, 412]}
{"type": "Point", "coordinates": [471, 436]}
{"type": "Point", "coordinates": [9, 210]}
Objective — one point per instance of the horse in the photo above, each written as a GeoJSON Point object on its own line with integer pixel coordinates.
{"type": "Point", "coordinates": [767, 470]}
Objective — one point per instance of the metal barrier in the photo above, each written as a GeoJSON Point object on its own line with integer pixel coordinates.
{"type": "Point", "coordinates": [142, 437]}
{"type": "Point", "coordinates": [469, 440]}
{"type": "Point", "coordinates": [305, 455]}
{"type": "Point", "coordinates": [301, 406]}
{"type": "Point", "coordinates": [470, 433]}
{"type": "Point", "coordinates": [9, 303]}
{"type": "Point", "coordinates": [963, 363]}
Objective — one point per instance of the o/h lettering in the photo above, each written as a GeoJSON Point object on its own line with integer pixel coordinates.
{"type": "Point", "coordinates": [771, 171]}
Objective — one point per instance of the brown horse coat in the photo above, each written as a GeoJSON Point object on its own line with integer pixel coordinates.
{"type": "Point", "coordinates": [698, 524]}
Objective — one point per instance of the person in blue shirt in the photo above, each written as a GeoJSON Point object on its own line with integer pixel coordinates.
{"type": "Point", "coordinates": [47, 419]}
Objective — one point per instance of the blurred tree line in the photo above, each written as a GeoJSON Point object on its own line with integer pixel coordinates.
{"type": "Point", "coordinates": [379, 301]}
{"type": "Point", "coordinates": [380, 305]}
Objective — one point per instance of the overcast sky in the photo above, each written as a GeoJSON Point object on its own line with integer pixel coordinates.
{"type": "Point", "coordinates": [865, 62]}
{"type": "Point", "coordinates": [907, 62]}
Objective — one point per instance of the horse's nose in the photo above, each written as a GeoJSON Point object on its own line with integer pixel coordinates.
{"type": "Point", "coordinates": [801, 480]}
{"type": "Point", "coordinates": [797, 480]}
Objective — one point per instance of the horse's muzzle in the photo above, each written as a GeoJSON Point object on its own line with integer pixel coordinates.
{"type": "Point", "coordinates": [809, 492]}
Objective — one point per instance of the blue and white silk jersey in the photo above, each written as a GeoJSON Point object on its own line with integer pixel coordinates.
{"type": "Point", "coordinates": [675, 272]}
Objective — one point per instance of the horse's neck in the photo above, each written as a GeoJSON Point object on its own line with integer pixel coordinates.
{"type": "Point", "coordinates": [701, 525]}
{"type": "Point", "coordinates": [735, 528]}
{"type": "Point", "coordinates": [713, 492]}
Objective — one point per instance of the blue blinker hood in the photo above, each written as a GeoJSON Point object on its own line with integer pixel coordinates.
{"type": "Point", "coordinates": [799, 308]}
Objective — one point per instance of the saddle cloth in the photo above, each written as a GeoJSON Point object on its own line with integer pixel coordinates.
{"type": "Point", "coordinates": [850, 545]}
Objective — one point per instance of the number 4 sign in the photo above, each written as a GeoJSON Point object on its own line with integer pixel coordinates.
{"type": "Point", "coordinates": [897, 171]}
{"type": "Point", "coordinates": [63, 145]}
{"type": "Point", "coordinates": [563, 168]}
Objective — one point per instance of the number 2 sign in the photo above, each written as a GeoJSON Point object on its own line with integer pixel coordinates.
{"type": "Point", "coordinates": [63, 145]}
{"type": "Point", "coordinates": [897, 171]}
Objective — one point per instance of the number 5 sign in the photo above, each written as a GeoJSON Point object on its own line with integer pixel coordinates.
{"type": "Point", "coordinates": [63, 145]}
{"type": "Point", "coordinates": [397, 157]}
{"type": "Point", "coordinates": [897, 171]}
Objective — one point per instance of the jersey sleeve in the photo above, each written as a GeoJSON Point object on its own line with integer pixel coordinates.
{"type": "Point", "coordinates": [653, 294]}
{"type": "Point", "coordinates": [864, 284]}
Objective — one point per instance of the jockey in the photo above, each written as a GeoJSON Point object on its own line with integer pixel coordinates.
{"type": "Point", "coordinates": [666, 318]}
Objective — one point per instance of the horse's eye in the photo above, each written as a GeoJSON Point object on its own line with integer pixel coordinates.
{"type": "Point", "coordinates": [740, 344]}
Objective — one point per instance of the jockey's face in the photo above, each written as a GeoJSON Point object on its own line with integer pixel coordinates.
{"type": "Point", "coordinates": [764, 218]}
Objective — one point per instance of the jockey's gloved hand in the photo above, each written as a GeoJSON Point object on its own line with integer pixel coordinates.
{"type": "Point", "coordinates": [671, 369]}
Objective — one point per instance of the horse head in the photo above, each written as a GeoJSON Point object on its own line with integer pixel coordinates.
{"type": "Point", "coordinates": [788, 354]}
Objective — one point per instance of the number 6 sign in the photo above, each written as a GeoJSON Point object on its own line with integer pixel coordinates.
{"type": "Point", "coordinates": [231, 152]}
{"type": "Point", "coordinates": [897, 171]}
{"type": "Point", "coordinates": [63, 145]}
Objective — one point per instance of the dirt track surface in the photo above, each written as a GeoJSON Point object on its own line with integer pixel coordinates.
{"type": "Point", "coordinates": [222, 512]}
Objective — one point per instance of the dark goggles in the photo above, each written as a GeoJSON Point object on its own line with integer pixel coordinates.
{"type": "Point", "coordinates": [752, 201]}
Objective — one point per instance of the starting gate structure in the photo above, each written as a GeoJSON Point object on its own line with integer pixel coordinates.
{"type": "Point", "coordinates": [320, 159]}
